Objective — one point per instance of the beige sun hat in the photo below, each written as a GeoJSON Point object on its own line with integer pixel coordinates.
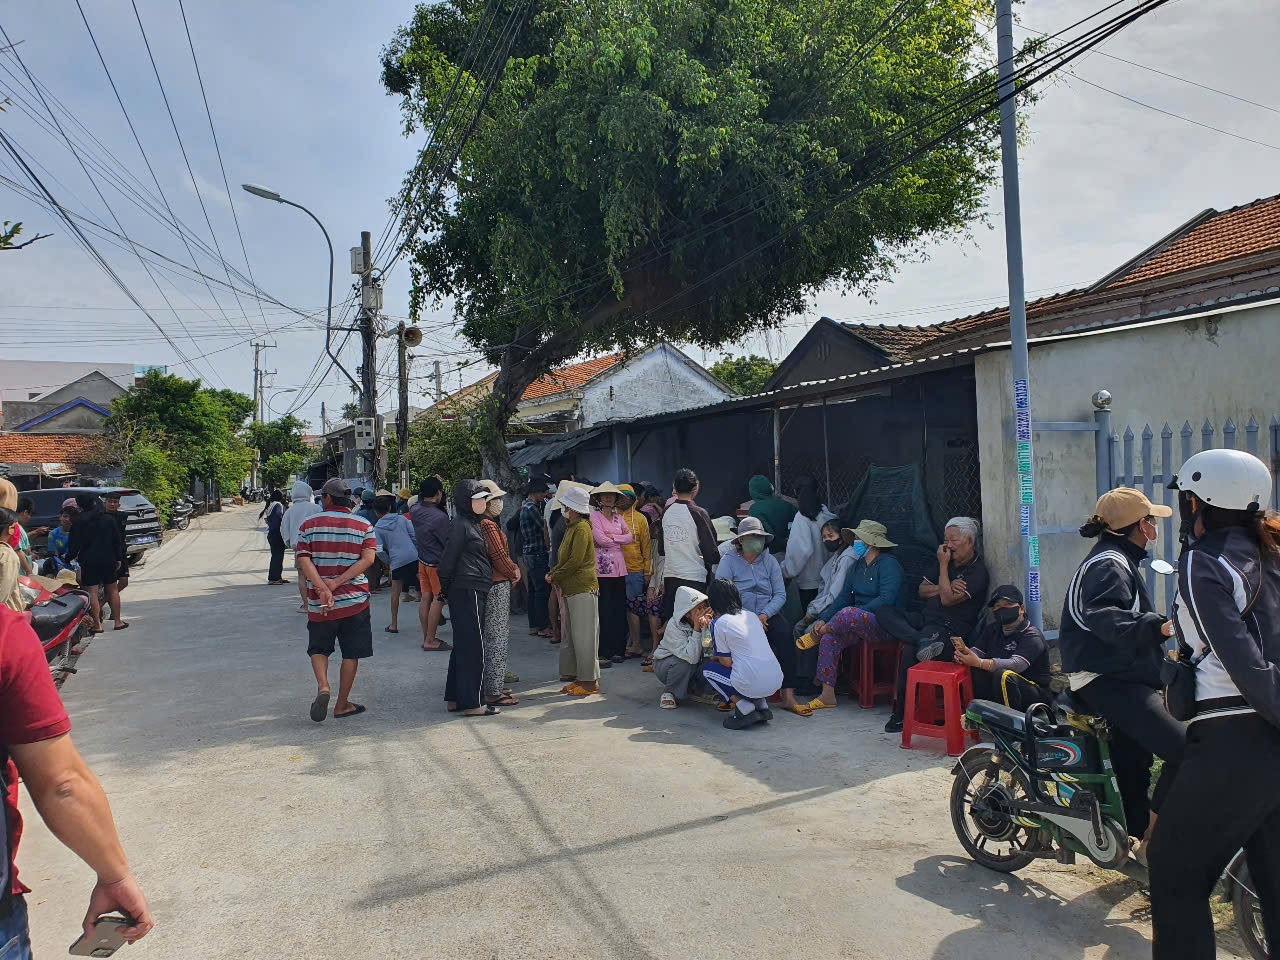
{"type": "Point", "coordinates": [751, 527]}
{"type": "Point", "coordinates": [724, 528]}
{"type": "Point", "coordinates": [566, 485]}
{"type": "Point", "coordinates": [495, 491]}
{"type": "Point", "coordinates": [606, 487]}
{"type": "Point", "coordinates": [871, 533]}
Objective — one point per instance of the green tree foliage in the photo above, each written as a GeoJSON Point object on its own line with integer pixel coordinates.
{"type": "Point", "coordinates": [280, 467]}
{"type": "Point", "coordinates": [688, 170]}
{"type": "Point", "coordinates": [278, 436]}
{"type": "Point", "coordinates": [744, 374]}
{"type": "Point", "coordinates": [351, 411]}
{"type": "Point", "coordinates": [194, 427]}
{"type": "Point", "coordinates": [450, 448]}
{"type": "Point", "coordinates": [156, 473]}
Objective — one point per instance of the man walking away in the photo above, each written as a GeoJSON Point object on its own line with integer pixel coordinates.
{"type": "Point", "coordinates": [688, 542]}
{"type": "Point", "coordinates": [94, 537]}
{"type": "Point", "coordinates": [533, 545]}
{"type": "Point", "coordinates": [35, 743]}
{"type": "Point", "coordinates": [334, 549]}
{"type": "Point", "coordinates": [431, 527]}
{"type": "Point", "coordinates": [303, 506]}
{"type": "Point", "coordinates": [398, 548]}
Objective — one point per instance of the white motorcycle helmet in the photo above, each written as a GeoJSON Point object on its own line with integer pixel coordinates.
{"type": "Point", "coordinates": [1227, 479]}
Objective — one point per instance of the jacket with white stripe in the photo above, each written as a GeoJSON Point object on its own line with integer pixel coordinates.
{"type": "Point", "coordinates": [1220, 577]}
{"type": "Point", "coordinates": [1109, 624]}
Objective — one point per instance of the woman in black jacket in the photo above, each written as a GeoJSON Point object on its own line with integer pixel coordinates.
{"type": "Point", "coordinates": [1112, 643]}
{"type": "Point", "coordinates": [1227, 795]}
{"type": "Point", "coordinates": [465, 578]}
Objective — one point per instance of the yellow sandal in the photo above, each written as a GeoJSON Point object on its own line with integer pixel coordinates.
{"type": "Point", "coordinates": [817, 704]}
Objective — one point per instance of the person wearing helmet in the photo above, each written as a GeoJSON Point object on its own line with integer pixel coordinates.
{"type": "Point", "coordinates": [1227, 614]}
{"type": "Point", "coordinates": [1112, 643]}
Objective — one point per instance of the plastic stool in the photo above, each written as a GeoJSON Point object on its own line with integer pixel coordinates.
{"type": "Point", "coordinates": [957, 690]}
{"type": "Point", "coordinates": [863, 681]}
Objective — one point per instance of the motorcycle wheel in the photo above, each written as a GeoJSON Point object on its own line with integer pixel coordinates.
{"type": "Point", "coordinates": [992, 838]}
{"type": "Point", "coordinates": [1248, 916]}
{"type": "Point", "coordinates": [182, 523]}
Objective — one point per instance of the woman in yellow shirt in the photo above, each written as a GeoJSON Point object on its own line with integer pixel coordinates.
{"type": "Point", "coordinates": [637, 555]}
{"type": "Point", "coordinates": [575, 575]}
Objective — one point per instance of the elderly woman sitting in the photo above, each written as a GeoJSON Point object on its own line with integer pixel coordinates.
{"type": "Point", "coordinates": [756, 573]}
{"type": "Point", "coordinates": [872, 585]}
{"type": "Point", "coordinates": [952, 605]}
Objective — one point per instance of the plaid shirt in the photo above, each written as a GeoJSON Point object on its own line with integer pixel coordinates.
{"type": "Point", "coordinates": [533, 537]}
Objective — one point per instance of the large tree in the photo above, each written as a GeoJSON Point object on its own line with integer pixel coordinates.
{"type": "Point", "coordinates": [688, 170]}
{"type": "Point", "coordinates": [744, 374]}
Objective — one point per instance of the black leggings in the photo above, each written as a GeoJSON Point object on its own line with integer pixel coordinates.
{"type": "Point", "coordinates": [1226, 797]}
{"type": "Point", "coordinates": [276, 570]}
{"type": "Point", "coordinates": [783, 643]}
{"type": "Point", "coordinates": [466, 659]}
{"type": "Point", "coordinates": [1140, 728]}
{"type": "Point", "coordinates": [613, 617]}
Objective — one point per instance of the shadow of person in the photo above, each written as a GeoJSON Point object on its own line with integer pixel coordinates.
{"type": "Point", "coordinates": [1029, 917]}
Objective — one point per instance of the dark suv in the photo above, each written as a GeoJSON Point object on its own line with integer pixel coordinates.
{"type": "Point", "coordinates": [142, 529]}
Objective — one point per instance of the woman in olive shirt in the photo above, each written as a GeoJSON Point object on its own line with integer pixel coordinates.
{"type": "Point", "coordinates": [575, 575]}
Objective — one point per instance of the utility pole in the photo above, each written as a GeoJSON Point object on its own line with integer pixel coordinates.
{"type": "Point", "coordinates": [439, 383]}
{"type": "Point", "coordinates": [324, 420]}
{"type": "Point", "coordinates": [1017, 307]}
{"type": "Point", "coordinates": [369, 368]}
{"type": "Point", "coordinates": [257, 400]}
{"type": "Point", "coordinates": [402, 421]}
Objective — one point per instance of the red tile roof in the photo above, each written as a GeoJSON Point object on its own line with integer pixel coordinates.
{"type": "Point", "coordinates": [1237, 232]}
{"type": "Point", "coordinates": [557, 381]}
{"type": "Point", "coordinates": [49, 448]}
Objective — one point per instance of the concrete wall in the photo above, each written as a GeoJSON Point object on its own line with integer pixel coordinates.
{"type": "Point", "coordinates": [655, 382]}
{"type": "Point", "coordinates": [96, 388]}
{"type": "Point", "coordinates": [1213, 367]}
{"type": "Point", "coordinates": [29, 379]}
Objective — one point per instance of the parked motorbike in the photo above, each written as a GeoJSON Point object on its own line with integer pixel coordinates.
{"type": "Point", "coordinates": [1041, 786]}
{"type": "Point", "coordinates": [59, 619]}
{"type": "Point", "coordinates": [180, 513]}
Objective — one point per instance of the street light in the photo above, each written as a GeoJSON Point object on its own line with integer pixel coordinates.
{"type": "Point", "coordinates": [276, 394]}
{"type": "Point", "coordinates": [268, 194]}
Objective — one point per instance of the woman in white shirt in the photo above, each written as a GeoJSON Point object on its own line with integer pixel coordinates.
{"type": "Point", "coordinates": [743, 669]}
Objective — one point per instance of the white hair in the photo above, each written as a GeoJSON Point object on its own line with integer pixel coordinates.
{"type": "Point", "coordinates": [966, 525]}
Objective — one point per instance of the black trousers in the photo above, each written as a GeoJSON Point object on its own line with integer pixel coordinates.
{"type": "Point", "coordinates": [613, 617]}
{"type": "Point", "coordinates": [915, 631]}
{"type": "Point", "coordinates": [276, 570]}
{"type": "Point", "coordinates": [1227, 796]}
{"type": "Point", "coordinates": [1022, 693]}
{"type": "Point", "coordinates": [783, 643]}
{"type": "Point", "coordinates": [466, 659]}
{"type": "Point", "coordinates": [538, 590]}
{"type": "Point", "coordinates": [1141, 728]}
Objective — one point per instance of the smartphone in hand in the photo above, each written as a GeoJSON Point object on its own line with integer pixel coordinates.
{"type": "Point", "coordinates": [959, 644]}
{"type": "Point", "coordinates": [106, 938]}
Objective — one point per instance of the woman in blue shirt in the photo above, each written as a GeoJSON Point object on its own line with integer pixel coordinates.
{"type": "Point", "coordinates": [874, 582]}
{"type": "Point", "coordinates": [59, 541]}
{"type": "Point", "coordinates": [750, 567]}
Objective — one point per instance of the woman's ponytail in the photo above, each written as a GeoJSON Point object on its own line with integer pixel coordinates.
{"type": "Point", "coordinates": [1093, 527]}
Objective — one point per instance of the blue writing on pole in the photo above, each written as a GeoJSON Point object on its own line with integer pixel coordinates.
{"type": "Point", "coordinates": [1024, 519]}
{"type": "Point", "coordinates": [1033, 585]}
{"type": "Point", "coordinates": [1023, 418]}
{"type": "Point", "coordinates": [1021, 398]}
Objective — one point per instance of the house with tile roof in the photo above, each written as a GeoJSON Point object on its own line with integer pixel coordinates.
{"type": "Point", "coordinates": [611, 387]}
{"type": "Point", "coordinates": [34, 460]}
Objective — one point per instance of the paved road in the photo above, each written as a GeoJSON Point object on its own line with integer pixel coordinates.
{"type": "Point", "coordinates": [595, 828]}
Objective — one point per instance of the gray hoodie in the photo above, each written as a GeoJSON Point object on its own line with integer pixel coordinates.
{"type": "Point", "coordinates": [680, 639]}
{"type": "Point", "coordinates": [303, 506]}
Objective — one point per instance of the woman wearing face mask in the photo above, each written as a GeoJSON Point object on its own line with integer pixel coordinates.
{"type": "Point", "coordinates": [497, 616]}
{"type": "Point", "coordinates": [874, 582]}
{"type": "Point", "coordinates": [1112, 643]}
{"type": "Point", "coordinates": [1228, 793]}
{"type": "Point", "coordinates": [758, 576]}
{"type": "Point", "coordinates": [839, 550]}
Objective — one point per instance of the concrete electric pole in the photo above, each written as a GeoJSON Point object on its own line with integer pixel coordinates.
{"type": "Point", "coordinates": [402, 419]}
{"type": "Point", "coordinates": [369, 367]}
{"type": "Point", "coordinates": [257, 401]}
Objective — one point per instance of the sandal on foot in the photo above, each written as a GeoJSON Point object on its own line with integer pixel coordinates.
{"type": "Point", "coordinates": [358, 708]}
{"type": "Point", "coordinates": [816, 704]}
{"type": "Point", "coordinates": [647, 661]}
{"type": "Point", "coordinates": [441, 646]}
{"type": "Point", "coordinates": [489, 711]}
{"type": "Point", "coordinates": [320, 706]}
{"type": "Point", "coordinates": [122, 625]}
{"type": "Point", "coordinates": [390, 629]}
{"type": "Point", "coordinates": [724, 707]}
{"type": "Point", "coordinates": [577, 690]}
{"type": "Point", "coordinates": [667, 701]}
{"type": "Point", "coordinates": [506, 700]}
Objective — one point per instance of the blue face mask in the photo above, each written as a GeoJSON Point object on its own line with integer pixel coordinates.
{"type": "Point", "coordinates": [859, 549]}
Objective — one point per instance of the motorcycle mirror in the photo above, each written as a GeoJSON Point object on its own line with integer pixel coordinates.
{"type": "Point", "coordinates": [1163, 567]}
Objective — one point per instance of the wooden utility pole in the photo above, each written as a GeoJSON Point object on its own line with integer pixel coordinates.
{"type": "Point", "coordinates": [402, 421]}
{"type": "Point", "coordinates": [369, 367]}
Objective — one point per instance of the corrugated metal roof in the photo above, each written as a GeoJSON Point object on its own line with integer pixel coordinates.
{"type": "Point", "coordinates": [540, 451]}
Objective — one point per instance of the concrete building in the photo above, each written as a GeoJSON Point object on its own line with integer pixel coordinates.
{"type": "Point", "coordinates": [80, 406]}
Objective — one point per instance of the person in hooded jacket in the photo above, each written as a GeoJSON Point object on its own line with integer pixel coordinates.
{"type": "Point", "coordinates": [302, 506]}
{"type": "Point", "coordinates": [1227, 616]}
{"type": "Point", "coordinates": [678, 657]}
{"type": "Point", "coordinates": [466, 575]}
{"type": "Point", "coordinates": [805, 555]}
{"type": "Point", "coordinates": [772, 510]}
{"type": "Point", "coordinates": [1112, 644]}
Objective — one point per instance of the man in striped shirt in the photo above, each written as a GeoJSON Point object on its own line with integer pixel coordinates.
{"type": "Point", "coordinates": [333, 550]}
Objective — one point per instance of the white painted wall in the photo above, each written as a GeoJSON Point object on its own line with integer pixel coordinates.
{"type": "Point", "coordinates": [1216, 366]}
{"type": "Point", "coordinates": [659, 381]}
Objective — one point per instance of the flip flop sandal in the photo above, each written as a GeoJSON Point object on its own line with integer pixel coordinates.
{"type": "Point", "coordinates": [618, 659]}
{"type": "Point", "coordinates": [724, 707]}
{"type": "Point", "coordinates": [443, 646]}
{"type": "Point", "coordinates": [812, 705]}
{"type": "Point", "coordinates": [123, 625]}
{"type": "Point", "coordinates": [806, 642]}
{"type": "Point", "coordinates": [489, 711]}
{"type": "Point", "coordinates": [647, 661]}
{"type": "Point", "coordinates": [577, 690]}
{"type": "Point", "coordinates": [390, 629]}
{"type": "Point", "coordinates": [503, 701]}
{"type": "Point", "coordinates": [359, 708]}
{"type": "Point", "coordinates": [320, 707]}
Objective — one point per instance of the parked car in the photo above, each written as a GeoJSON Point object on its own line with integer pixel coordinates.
{"type": "Point", "coordinates": [142, 530]}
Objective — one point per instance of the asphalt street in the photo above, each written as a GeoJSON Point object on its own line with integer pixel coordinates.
{"type": "Point", "coordinates": [602, 827]}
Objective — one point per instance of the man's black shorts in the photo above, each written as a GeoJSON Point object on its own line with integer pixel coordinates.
{"type": "Point", "coordinates": [407, 575]}
{"type": "Point", "coordinates": [98, 574]}
{"type": "Point", "coordinates": [353, 634]}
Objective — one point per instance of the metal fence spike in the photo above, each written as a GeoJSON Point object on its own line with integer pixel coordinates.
{"type": "Point", "coordinates": [1146, 432]}
{"type": "Point", "coordinates": [1128, 433]}
{"type": "Point", "coordinates": [1252, 424]}
{"type": "Point", "coordinates": [1167, 432]}
{"type": "Point", "coordinates": [1187, 431]}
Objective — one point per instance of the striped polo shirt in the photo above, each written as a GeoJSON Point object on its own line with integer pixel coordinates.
{"type": "Point", "coordinates": [334, 539]}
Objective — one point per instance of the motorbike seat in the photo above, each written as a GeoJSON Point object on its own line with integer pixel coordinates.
{"type": "Point", "coordinates": [998, 715]}
{"type": "Point", "coordinates": [50, 618]}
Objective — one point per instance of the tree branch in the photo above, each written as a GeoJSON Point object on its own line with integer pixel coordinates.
{"type": "Point", "coordinates": [25, 243]}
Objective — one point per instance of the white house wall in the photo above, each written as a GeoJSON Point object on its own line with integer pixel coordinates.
{"type": "Point", "coordinates": [659, 381]}
{"type": "Point", "coordinates": [1208, 367]}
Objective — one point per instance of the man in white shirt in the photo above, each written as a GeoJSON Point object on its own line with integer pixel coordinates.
{"type": "Point", "coordinates": [687, 542]}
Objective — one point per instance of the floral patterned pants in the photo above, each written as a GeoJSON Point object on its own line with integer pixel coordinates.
{"type": "Point", "coordinates": [843, 630]}
{"type": "Point", "coordinates": [497, 634]}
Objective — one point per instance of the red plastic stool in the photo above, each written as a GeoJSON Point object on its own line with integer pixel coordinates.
{"type": "Point", "coordinates": [865, 683]}
{"type": "Point", "coordinates": [957, 690]}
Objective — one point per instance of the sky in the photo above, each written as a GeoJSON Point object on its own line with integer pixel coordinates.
{"type": "Point", "coordinates": [297, 105]}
